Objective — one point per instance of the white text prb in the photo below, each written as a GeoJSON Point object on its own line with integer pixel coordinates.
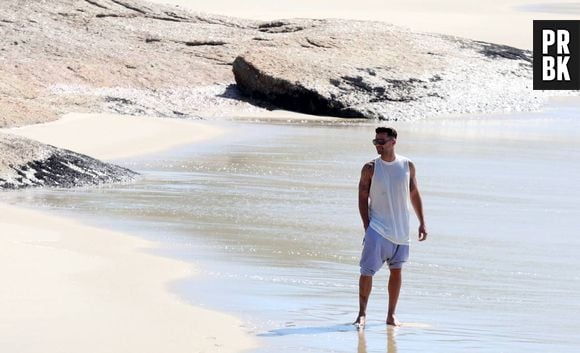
{"type": "Point", "coordinates": [555, 67]}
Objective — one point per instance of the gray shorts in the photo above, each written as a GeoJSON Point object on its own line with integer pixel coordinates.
{"type": "Point", "coordinates": [377, 250]}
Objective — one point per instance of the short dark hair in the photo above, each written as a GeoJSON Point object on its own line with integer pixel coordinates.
{"type": "Point", "coordinates": [386, 130]}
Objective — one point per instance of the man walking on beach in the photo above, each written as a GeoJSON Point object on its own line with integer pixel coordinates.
{"type": "Point", "coordinates": [386, 184]}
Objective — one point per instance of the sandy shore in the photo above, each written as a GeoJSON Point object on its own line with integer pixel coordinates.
{"type": "Point", "coordinates": [109, 136]}
{"type": "Point", "coordinates": [74, 288]}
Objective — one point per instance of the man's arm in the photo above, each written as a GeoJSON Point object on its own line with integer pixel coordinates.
{"type": "Point", "coordinates": [364, 188]}
{"type": "Point", "coordinates": [417, 203]}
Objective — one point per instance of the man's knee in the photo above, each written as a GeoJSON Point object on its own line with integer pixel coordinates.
{"type": "Point", "coordinates": [367, 272]}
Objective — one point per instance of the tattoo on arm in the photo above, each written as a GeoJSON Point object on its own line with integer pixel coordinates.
{"type": "Point", "coordinates": [364, 186]}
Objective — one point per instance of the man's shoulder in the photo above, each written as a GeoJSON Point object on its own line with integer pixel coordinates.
{"type": "Point", "coordinates": [369, 164]}
{"type": "Point", "coordinates": [405, 160]}
{"type": "Point", "coordinates": [369, 168]}
{"type": "Point", "coordinates": [408, 164]}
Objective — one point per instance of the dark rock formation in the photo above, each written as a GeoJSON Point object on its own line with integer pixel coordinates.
{"type": "Point", "coordinates": [27, 163]}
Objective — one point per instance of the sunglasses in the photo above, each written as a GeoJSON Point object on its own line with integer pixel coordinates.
{"type": "Point", "coordinates": [381, 141]}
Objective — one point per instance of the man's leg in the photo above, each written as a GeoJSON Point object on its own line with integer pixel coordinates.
{"type": "Point", "coordinates": [370, 263]}
{"type": "Point", "coordinates": [365, 284]}
{"type": "Point", "coordinates": [394, 290]}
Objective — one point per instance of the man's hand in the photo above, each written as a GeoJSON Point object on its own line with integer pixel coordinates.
{"type": "Point", "coordinates": [422, 232]}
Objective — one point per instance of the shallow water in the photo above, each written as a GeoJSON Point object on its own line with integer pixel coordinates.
{"type": "Point", "coordinates": [269, 215]}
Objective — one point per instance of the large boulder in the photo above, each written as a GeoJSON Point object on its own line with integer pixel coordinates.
{"type": "Point", "coordinates": [375, 70]}
{"type": "Point", "coordinates": [28, 163]}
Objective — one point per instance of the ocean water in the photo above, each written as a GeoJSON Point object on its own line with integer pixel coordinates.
{"type": "Point", "coordinates": [268, 214]}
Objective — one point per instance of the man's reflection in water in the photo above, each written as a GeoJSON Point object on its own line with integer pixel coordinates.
{"type": "Point", "coordinates": [362, 342]}
{"type": "Point", "coordinates": [391, 340]}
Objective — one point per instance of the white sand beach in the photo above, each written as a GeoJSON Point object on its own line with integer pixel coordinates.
{"type": "Point", "coordinates": [72, 287]}
{"type": "Point", "coordinates": [506, 22]}
{"type": "Point", "coordinates": [110, 136]}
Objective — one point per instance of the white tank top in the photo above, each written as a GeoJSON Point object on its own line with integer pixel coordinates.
{"type": "Point", "coordinates": [389, 195]}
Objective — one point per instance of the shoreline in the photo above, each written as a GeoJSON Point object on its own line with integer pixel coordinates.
{"type": "Point", "coordinates": [105, 284]}
{"type": "Point", "coordinates": [72, 283]}
{"type": "Point", "coordinates": [113, 136]}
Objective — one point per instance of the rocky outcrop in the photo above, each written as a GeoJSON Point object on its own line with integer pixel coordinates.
{"type": "Point", "coordinates": [373, 70]}
{"type": "Point", "coordinates": [136, 58]}
{"type": "Point", "coordinates": [27, 163]}
{"type": "Point", "coordinates": [118, 56]}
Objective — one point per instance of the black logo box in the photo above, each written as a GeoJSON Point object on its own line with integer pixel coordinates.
{"type": "Point", "coordinates": [573, 28]}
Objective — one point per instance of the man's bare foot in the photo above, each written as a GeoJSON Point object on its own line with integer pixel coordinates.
{"type": "Point", "coordinates": [392, 320]}
{"type": "Point", "coordinates": [360, 322]}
